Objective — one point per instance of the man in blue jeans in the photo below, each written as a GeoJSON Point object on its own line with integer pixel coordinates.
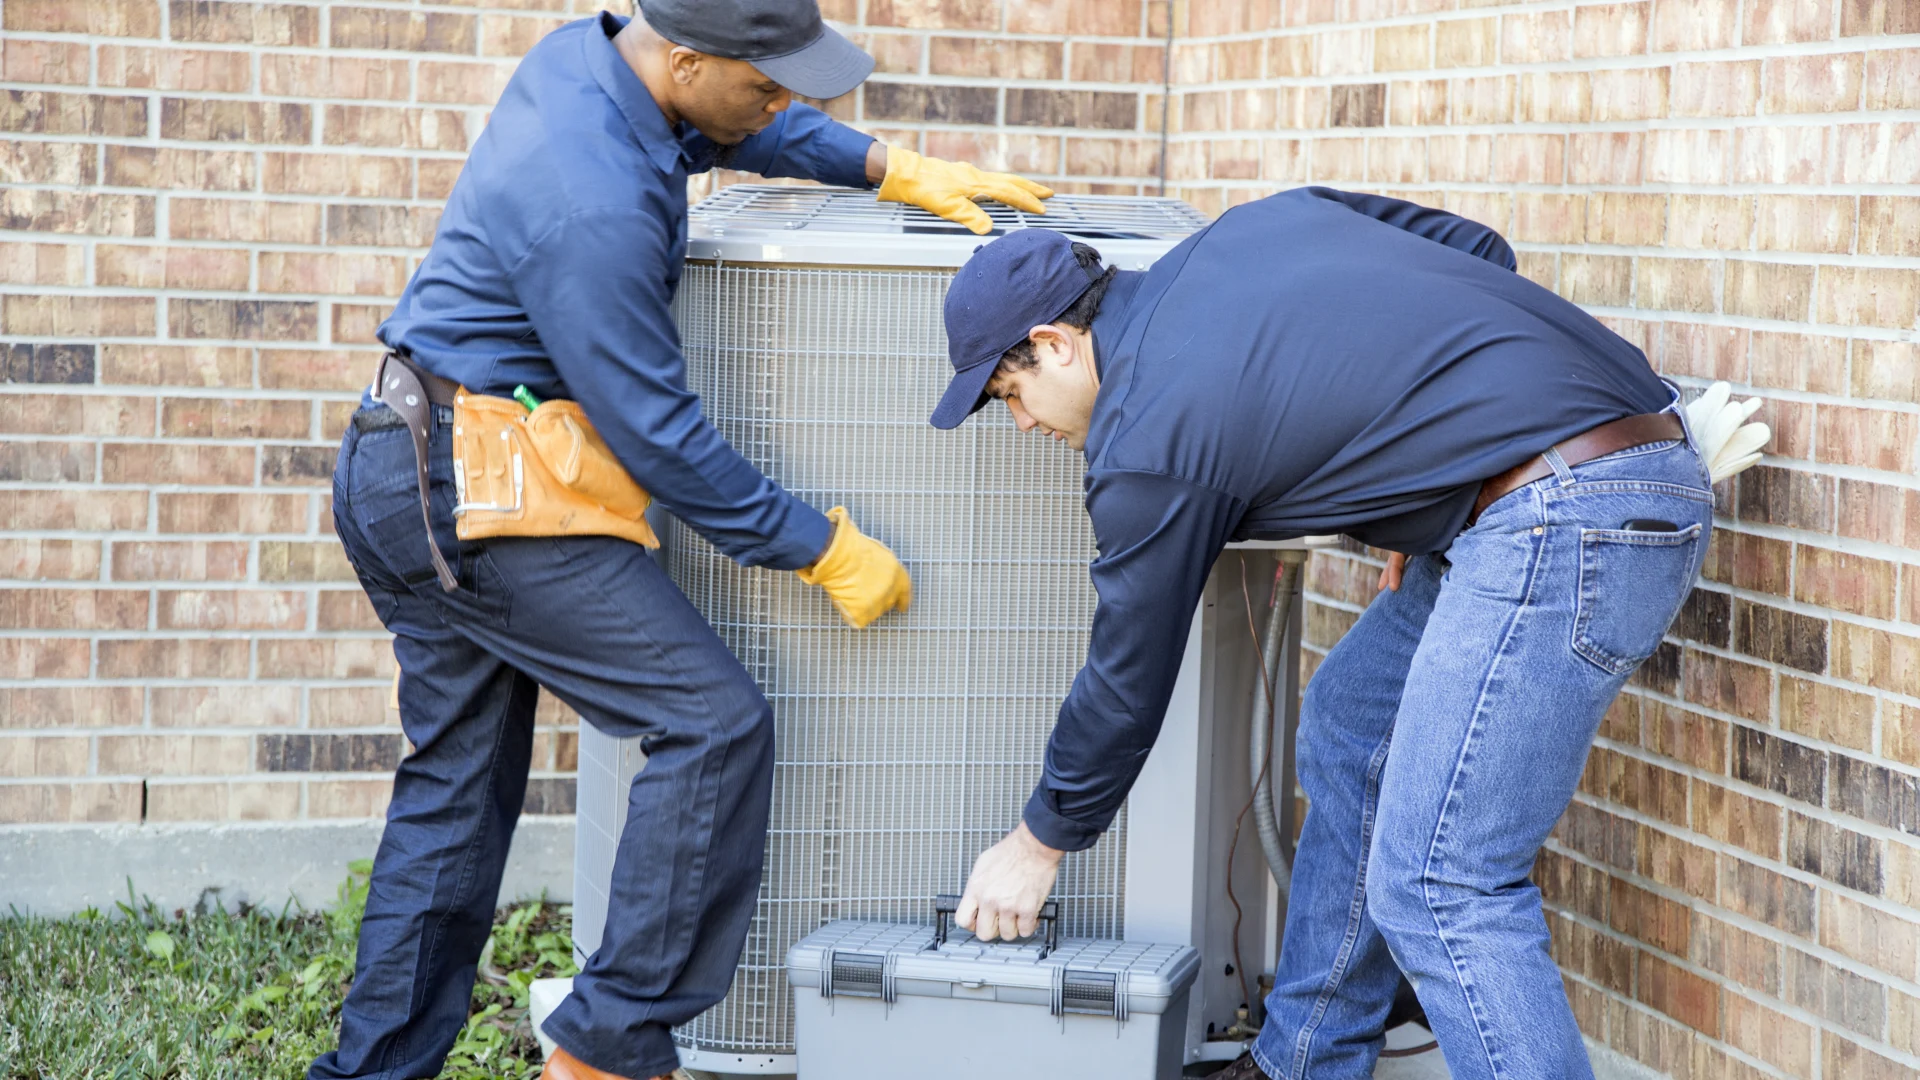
{"type": "Point", "coordinates": [1327, 362]}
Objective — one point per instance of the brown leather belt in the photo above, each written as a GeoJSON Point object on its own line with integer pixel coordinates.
{"type": "Point", "coordinates": [1608, 438]}
{"type": "Point", "coordinates": [411, 391]}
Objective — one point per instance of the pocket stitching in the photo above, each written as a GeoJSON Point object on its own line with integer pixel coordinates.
{"type": "Point", "coordinates": [1591, 651]}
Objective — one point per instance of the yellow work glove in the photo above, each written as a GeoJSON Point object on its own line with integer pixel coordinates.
{"type": "Point", "coordinates": [861, 576]}
{"type": "Point", "coordinates": [948, 188]}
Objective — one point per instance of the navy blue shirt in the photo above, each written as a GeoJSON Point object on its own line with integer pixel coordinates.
{"type": "Point", "coordinates": [1314, 362]}
{"type": "Point", "coordinates": [556, 262]}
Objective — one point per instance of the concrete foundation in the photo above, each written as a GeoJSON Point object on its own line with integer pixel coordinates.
{"type": "Point", "coordinates": [61, 869]}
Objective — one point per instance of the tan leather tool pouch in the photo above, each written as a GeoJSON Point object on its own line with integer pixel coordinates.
{"type": "Point", "coordinates": [544, 473]}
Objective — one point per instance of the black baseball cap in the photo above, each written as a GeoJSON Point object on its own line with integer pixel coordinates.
{"type": "Point", "coordinates": [1027, 278]}
{"type": "Point", "coordinates": [784, 39]}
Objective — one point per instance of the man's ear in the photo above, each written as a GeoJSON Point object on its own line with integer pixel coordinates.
{"type": "Point", "coordinates": [1051, 343]}
{"type": "Point", "coordinates": [683, 63]}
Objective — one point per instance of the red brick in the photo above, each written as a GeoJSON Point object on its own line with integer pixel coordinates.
{"type": "Point", "coordinates": [173, 658]}
{"type": "Point", "coordinates": [1821, 83]}
{"type": "Point", "coordinates": [995, 58]}
{"type": "Point", "coordinates": [225, 706]}
{"type": "Point", "coordinates": [1466, 42]}
{"type": "Point", "coordinates": [45, 62]}
{"type": "Point", "coordinates": [171, 167]}
{"type": "Point", "coordinates": [146, 68]}
{"type": "Point", "coordinates": [33, 559]}
{"type": "Point", "coordinates": [41, 112]}
{"type": "Point", "coordinates": [1843, 581]}
{"type": "Point", "coordinates": [1679, 993]}
{"type": "Point", "coordinates": [1610, 29]}
{"type": "Point", "coordinates": [346, 609]}
{"type": "Point", "coordinates": [43, 757]}
{"type": "Point", "coordinates": [231, 609]}
{"type": "Point", "coordinates": [1768, 290]}
{"type": "Point", "coordinates": [1798, 362]}
{"type": "Point", "coordinates": [224, 800]}
{"type": "Point", "coordinates": [239, 418]}
{"type": "Point", "coordinates": [1880, 153]}
{"type": "Point", "coordinates": [1536, 38]}
{"type": "Point", "coordinates": [1716, 89]}
{"type": "Point", "coordinates": [175, 755]}
{"type": "Point", "coordinates": [1886, 369]}
{"type": "Point", "coordinates": [1889, 225]}
{"type": "Point", "coordinates": [1881, 513]}
{"type": "Point", "coordinates": [1770, 1035]}
{"type": "Point", "coordinates": [1870, 935]}
{"type": "Point", "coordinates": [1827, 713]}
{"type": "Point", "coordinates": [105, 18]}
{"type": "Point", "coordinates": [1870, 438]}
{"type": "Point", "coordinates": [437, 176]}
{"type": "Point", "coordinates": [199, 512]}
{"type": "Point", "coordinates": [43, 264]}
{"type": "Point", "coordinates": [350, 706]}
{"type": "Point", "coordinates": [82, 801]}
{"type": "Point", "coordinates": [323, 658]}
{"type": "Point", "coordinates": [1484, 100]}
{"type": "Point", "coordinates": [355, 78]}
{"type": "Point", "coordinates": [507, 35]}
{"type": "Point", "coordinates": [246, 220]}
{"type": "Point", "coordinates": [358, 799]}
{"type": "Point", "coordinates": [1868, 296]}
{"type": "Point", "coordinates": [68, 212]}
{"type": "Point", "coordinates": [226, 120]}
{"type": "Point", "coordinates": [378, 28]}
{"type": "Point", "coordinates": [1893, 79]}
{"type": "Point", "coordinates": [411, 129]}
{"type": "Point", "coordinates": [1822, 223]}
{"type": "Point", "coordinates": [340, 275]}
{"type": "Point", "coordinates": [43, 315]}
{"type": "Point", "coordinates": [1529, 159]}
{"type": "Point", "coordinates": [324, 560]}
{"type": "Point", "coordinates": [1688, 156]}
{"type": "Point", "coordinates": [47, 163]}
{"type": "Point", "coordinates": [243, 23]}
{"type": "Point", "coordinates": [1858, 17]}
{"type": "Point", "coordinates": [72, 509]}
{"type": "Point", "coordinates": [254, 320]}
{"type": "Point", "coordinates": [1728, 685]}
{"type": "Point", "coordinates": [192, 560]}
{"type": "Point", "coordinates": [1629, 93]}
{"type": "Point", "coordinates": [1841, 1057]}
{"type": "Point", "coordinates": [1674, 284]}
{"type": "Point", "coordinates": [462, 83]}
{"type": "Point", "coordinates": [73, 609]}
{"type": "Point", "coordinates": [354, 175]}
{"type": "Point", "coordinates": [176, 365]}
{"type": "Point", "coordinates": [1697, 24]}
{"type": "Point", "coordinates": [1876, 659]}
{"type": "Point", "coordinates": [149, 267]}
{"type": "Point", "coordinates": [1740, 820]}
{"type": "Point", "coordinates": [177, 463]}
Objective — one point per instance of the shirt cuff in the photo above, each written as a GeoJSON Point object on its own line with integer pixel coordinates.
{"type": "Point", "coordinates": [1053, 830]}
{"type": "Point", "coordinates": [800, 543]}
{"type": "Point", "coordinates": [843, 157]}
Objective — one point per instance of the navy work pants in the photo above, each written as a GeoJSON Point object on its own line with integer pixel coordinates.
{"type": "Point", "coordinates": [597, 622]}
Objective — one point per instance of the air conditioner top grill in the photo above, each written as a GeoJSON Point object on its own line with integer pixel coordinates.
{"type": "Point", "coordinates": [841, 226]}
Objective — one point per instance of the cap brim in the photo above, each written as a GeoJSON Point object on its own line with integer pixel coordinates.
{"type": "Point", "coordinates": [827, 68]}
{"type": "Point", "coordinates": [964, 396]}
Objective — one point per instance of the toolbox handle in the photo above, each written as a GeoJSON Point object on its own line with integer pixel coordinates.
{"type": "Point", "coordinates": [946, 904]}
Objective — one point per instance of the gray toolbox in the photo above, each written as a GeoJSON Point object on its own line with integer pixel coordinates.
{"type": "Point", "coordinates": [877, 1001]}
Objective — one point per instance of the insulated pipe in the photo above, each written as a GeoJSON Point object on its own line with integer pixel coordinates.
{"type": "Point", "coordinates": [1264, 817]}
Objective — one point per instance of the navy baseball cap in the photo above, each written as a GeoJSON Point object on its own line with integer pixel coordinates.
{"type": "Point", "coordinates": [784, 39]}
{"type": "Point", "coordinates": [1024, 279]}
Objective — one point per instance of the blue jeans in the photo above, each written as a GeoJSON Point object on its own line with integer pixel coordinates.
{"type": "Point", "coordinates": [596, 621]}
{"type": "Point", "coordinates": [1441, 740]}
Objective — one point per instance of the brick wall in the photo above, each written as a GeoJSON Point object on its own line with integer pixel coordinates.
{"type": "Point", "coordinates": [1734, 185]}
{"type": "Point", "coordinates": [208, 206]}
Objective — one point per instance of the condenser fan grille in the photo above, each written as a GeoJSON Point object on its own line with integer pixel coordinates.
{"type": "Point", "coordinates": [759, 207]}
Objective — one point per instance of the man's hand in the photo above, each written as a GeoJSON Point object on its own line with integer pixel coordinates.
{"type": "Point", "coordinates": [1390, 574]}
{"type": "Point", "coordinates": [948, 188]}
{"type": "Point", "coordinates": [1010, 881]}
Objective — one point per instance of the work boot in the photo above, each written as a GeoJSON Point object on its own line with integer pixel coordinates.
{"type": "Point", "coordinates": [564, 1066]}
{"type": "Point", "coordinates": [1242, 1068]}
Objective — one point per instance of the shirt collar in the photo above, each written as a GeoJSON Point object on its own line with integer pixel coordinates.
{"type": "Point", "coordinates": [1109, 327]}
{"type": "Point", "coordinates": [643, 114]}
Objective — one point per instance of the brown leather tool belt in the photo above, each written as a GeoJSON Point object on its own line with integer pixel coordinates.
{"type": "Point", "coordinates": [1598, 442]}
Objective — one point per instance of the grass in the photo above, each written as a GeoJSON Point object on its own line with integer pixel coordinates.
{"type": "Point", "coordinates": [141, 994]}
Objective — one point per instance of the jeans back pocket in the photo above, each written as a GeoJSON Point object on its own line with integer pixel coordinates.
{"type": "Point", "coordinates": [1632, 585]}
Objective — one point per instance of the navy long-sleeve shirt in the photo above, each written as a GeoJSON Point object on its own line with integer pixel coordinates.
{"type": "Point", "coordinates": [1315, 362]}
{"type": "Point", "coordinates": [556, 262]}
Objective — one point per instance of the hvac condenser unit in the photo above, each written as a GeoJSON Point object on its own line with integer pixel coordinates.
{"type": "Point", "coordinates": [811, 320]}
